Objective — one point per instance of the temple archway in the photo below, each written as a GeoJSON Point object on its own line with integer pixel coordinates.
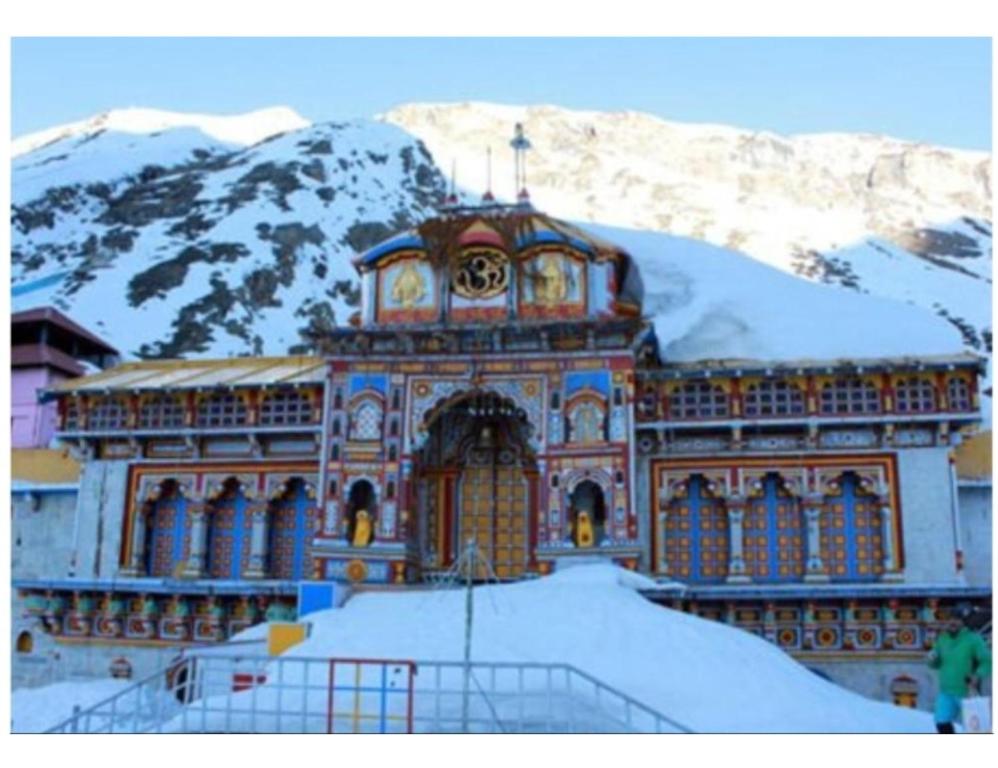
{"type": "Point", "coordinates": [477, 481]}
{"type": "Point", "coordinates": [587, 514]}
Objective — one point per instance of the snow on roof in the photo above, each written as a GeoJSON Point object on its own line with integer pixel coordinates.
{"type": "Point", "coordinates": [745, 365]}
{"type": "Point", "coordinates": [163, 374]}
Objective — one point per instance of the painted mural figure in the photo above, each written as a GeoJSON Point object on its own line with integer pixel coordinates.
{"type": "Point", "coordinates": [362, 529]}
{"type": "Point", "coordinates": [409, 289]}
{"type": "Point", "coordinates": [588, 427]}
{"type": "Point", "coordinates": [550, 286]}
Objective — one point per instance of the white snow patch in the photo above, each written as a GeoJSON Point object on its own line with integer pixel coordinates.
{"type": "Point", "coordinates": [35, 710]}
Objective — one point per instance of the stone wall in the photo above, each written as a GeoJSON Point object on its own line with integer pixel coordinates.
{"type": "Point", "coordinates": [927, 516]}
{"type": "Point", "coordinates": [42, 530]}
{"type": "Point", "coordinates": [975, 530]}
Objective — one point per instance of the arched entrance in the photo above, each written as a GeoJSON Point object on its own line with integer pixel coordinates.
{"type": "Point", "coordinates": [478, 481]}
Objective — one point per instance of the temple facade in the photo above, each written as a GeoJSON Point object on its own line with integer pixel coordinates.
{"type": "Point", "coordinates": [500, 385]}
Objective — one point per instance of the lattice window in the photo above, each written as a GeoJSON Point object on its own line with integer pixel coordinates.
{"type": "Point", "coordinates": [851, 538]}
{"type": "Point", "coordinates": [915, 395]}
{"type": "Point", "coordinates": [293, 521]}
{"type": "Point", "coordinates": [696, 536]}
{"type": "Point", "coordinates": [958, 393]}
{"type": "Point", "coordinates": [698, 400]}
{"type": "Point", "coordinates": [230, 536]}
{"type": "Point", "coordinates": [850, 395]}
{"type": "Point", "coordinates": [222, 410]}
{"type": "Point", "coordinates": [773, 539]}
{"type": "Point", "coordinates": [169, 535]}
{"type": "Point", "coordinates": [72, 420]}
{"type": "Point", "coordinates": [110, 413]}
{"type": "Point", "coordinates": [365, 422]}
{"type": "Point", "coordinates": [774, 398]}
{"type": "Point", "coordinates": [162, 412]}
{"type": "Point", "coordinates": [281, 408]}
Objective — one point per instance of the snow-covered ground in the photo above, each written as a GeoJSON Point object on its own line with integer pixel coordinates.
{"type": "Point", "coordinates": [34, 710]}
{"type": "Point", "coordinates": [705, 675]}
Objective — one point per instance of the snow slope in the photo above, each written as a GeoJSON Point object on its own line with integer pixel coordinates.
{"type": "Point", "coordinates": [703, 674]}
{"type": "Point", "coordinates": [34, 710]}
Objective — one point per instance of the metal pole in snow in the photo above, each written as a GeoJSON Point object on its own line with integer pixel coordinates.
{"type": "Point", "coordinates": [469, 605]}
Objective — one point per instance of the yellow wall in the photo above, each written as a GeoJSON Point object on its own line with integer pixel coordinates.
{"type": "Point", "coordinates": [973, 456]}
{"type": "Point", "coordinates": [42, 465]}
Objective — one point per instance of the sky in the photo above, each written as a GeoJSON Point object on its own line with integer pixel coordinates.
{"type": "Point", "coordinates": [936, 90]}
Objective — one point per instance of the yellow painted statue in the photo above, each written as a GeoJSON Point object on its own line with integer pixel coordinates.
{"type": "Point", "coordinates": [583, 530]}
{"type": "Point", "coordinates": [362, 529]}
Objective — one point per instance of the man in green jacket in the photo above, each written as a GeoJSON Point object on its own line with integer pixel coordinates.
{"type": "Point", "coordinates": [962, 658]}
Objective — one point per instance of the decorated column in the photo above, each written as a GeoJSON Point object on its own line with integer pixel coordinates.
{"type": "Point", "coordinates": [198, 556]}
{"type": "Point", "coordinates": [259, 536]}
{"type": "Point", "coordinates": [664, 497]}
{"type": "Point", "coordinates": [137, 557]}
{"type": "Point", "coordinates": [891, 572]}
{"type": "Point", "coordinates": [814, 568]}
{"type": "Point", "coordinates": [737, 573]}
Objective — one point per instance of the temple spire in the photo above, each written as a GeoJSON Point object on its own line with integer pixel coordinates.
{"type": "Point", "coordinates": [520, 145]}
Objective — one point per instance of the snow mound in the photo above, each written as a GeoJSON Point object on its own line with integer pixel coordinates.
{"type": "Point", "coordinates": [35, 710]}
{"type": "Point", "coordinates": [705, 675]}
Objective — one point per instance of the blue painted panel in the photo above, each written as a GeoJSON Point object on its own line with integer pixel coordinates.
{"type": "Point", "coordinates": [361, 381]}
{"type": "Point", "coordinates": [598, 380]}
{"type": "Point", "coordinates": [315, 596]}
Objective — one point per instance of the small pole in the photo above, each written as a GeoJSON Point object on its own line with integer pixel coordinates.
{"type": "Point", "coordinates": [76, 719]}
{"type": "Point", "coordinates": [469, 606]}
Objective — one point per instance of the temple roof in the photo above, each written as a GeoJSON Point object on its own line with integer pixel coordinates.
{"type": "Point", "coordinates": [194, 374]}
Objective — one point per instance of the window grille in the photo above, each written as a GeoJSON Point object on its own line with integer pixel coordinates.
{"type": "Point", "coordinates": [774, 398]}
{"type": "Point", "coordinates": [699, 400]}
{"type": "Point", "coordinates": [222, 410]}
{"type": "Point", "coordinates": [915, 395]}
{"type": "Point", "coordinates": [850, 395]}
{"type": "Point", "coordinates": [281, 408]}
{"type": "Point", "coordinates": [162, 412]}
{"type": "Point", "coordinates": [111, 413]}
{"type": "Point", "coordinates": [958, 392]}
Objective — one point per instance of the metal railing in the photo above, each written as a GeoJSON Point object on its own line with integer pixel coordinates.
{"type": "Point", "coordinates": [212, 693]}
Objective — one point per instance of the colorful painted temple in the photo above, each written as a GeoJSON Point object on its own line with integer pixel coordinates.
{"type": "Point", "coordinates": [500, 384]}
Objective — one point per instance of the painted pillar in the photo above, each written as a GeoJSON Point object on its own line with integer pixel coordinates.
{"type": "Point", "coordinates": [198, 557]}
{"type": "Point", "coordinates": [137, 560]}
{"type": "Point", "coordinates": [664, 497]}
{"type": "Point", "coordinates": [737, 573]}
{"type": "Point", "coordinates": [891, 572]}
{"type": "Point", "coordinates": [259, 536]}
{"type": "Point", "coordinates": [814, 568]}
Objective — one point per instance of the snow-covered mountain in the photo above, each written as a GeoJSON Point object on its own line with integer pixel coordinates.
{"type": "Point", "coordinates": [177, 243]}
{"type": "Point", "coordinates": [179, 235]}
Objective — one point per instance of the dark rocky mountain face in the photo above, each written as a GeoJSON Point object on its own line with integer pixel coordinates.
{"type": "Point", "coordinates": [202, 248]}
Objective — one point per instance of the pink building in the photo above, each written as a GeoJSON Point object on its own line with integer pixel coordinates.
{"type": "Point", "coordinates": [46, 348]}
